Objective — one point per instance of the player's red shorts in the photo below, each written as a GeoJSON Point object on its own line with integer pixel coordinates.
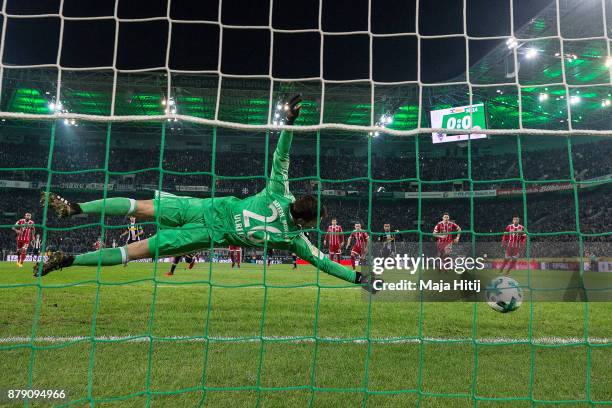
{"type": "Point", "coordinates": [358, 250]}
{"type": "Point", "coordinates": [513, 252]}
{"type": "Point", "coordinates": [334, 248]}
{"type": "Point", "coordinates": [22, 244]}
{"type": "Point", "coordinates": [444, 249]}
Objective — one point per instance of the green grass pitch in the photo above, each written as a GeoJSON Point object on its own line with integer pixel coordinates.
{"type": "Point", "coordinates": [176, 342]}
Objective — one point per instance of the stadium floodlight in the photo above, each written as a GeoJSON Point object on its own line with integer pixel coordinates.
{"type": "Point", "coordinates": [52, 106]}
{"type": "Point", "coordinates": [164, 102]}
{"type": "Point", "coordinates": [574, 99]}
{"type": "Point", "coordinates": [531, 53]}
{"type": "Point", "coordinates": [66, 122]}
{"type": "Point", "coordinates": [511, 43]}
{"type": "Point", "coordinates": [605, 103]}
{"type": "Point", "coordinates": [543, 97]}
{"type": "Point", "coordinates": [385, 119]}
{"type": "Point", "coordinates": [609, 62]}
{"type": "Point", "coordinates": [276, 115]}
{"type": "Point", "coordinates": [171, 102]}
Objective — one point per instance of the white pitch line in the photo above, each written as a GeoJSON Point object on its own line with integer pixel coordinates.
{"type": "Point", "coordinates": [392, 340]}
{"type": "Point", "coordinates": [187, 285]}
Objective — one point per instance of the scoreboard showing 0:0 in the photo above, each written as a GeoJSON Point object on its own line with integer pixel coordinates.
{"type": "Point", "coordinates": [455, 121]}
{"type": "Point", "coordinates": [461, 117]}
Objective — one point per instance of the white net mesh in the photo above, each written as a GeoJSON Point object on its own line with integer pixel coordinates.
{"type": "Point", "coordinates": [554, 36]}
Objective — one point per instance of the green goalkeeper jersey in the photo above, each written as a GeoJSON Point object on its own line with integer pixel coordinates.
{"type": "Point", "coordinates": [265, 217]}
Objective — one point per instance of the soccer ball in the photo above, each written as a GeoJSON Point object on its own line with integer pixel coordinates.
{"type": "Point", "coordinates": [504, 294]}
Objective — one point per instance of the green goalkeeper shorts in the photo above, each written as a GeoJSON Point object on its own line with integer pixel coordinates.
{"type": "Point", "coordinates": [182, 228]}
{"type": "Point", "coordinates": [176, 211]}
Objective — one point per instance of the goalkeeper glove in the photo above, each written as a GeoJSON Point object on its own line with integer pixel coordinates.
{"type": "Point", "coordinates": [367, 282]}
{"type": "Point", "coordinates": [293, 109]}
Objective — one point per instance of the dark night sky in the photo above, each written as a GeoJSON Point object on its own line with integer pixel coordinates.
{"type": "Point", "coordinates": [196, 46]}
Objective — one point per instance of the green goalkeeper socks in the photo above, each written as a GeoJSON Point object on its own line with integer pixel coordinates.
{"type": "Point", "coordinates": [106, 257]}
{"type": "Point", "coordinates": [112, 206]}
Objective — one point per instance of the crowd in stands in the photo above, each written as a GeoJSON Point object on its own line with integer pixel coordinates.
{"type": "Point", "coordinates": [589, 160]}
{"type": "Point", "coordinates": [242, 174]}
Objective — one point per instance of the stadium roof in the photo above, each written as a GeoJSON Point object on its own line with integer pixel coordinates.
{"type": "Point", "coordinates": [246, 100]}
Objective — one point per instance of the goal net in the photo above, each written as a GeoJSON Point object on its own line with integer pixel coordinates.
{"type": "Point", "coordinates": [484, 110]}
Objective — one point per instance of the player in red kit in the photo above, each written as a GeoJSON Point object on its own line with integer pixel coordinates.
{"type": "Point", "coordinates": [25, 232]}
{"type": "Point", "coordinates": [98, 244]}
{"type": "Point", "coordinates": [235, 255]}
{"type": "Point", "coordinates": [513, 243]}
{"type": "Point", "coordinates": [444, 237]}
{"type": "Point", "coordinates": [335, 239]}
{"type": "Point", "coordinates": [361, 244]}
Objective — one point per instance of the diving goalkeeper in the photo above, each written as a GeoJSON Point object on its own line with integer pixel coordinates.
{"type": "Point", "coordinates": [192, 224]}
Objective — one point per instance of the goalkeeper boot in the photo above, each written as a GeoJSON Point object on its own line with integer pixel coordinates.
{"type": "Point", "coordinates": [63, 208]}
{"type": "Point", "coordinates": [57, 260]}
